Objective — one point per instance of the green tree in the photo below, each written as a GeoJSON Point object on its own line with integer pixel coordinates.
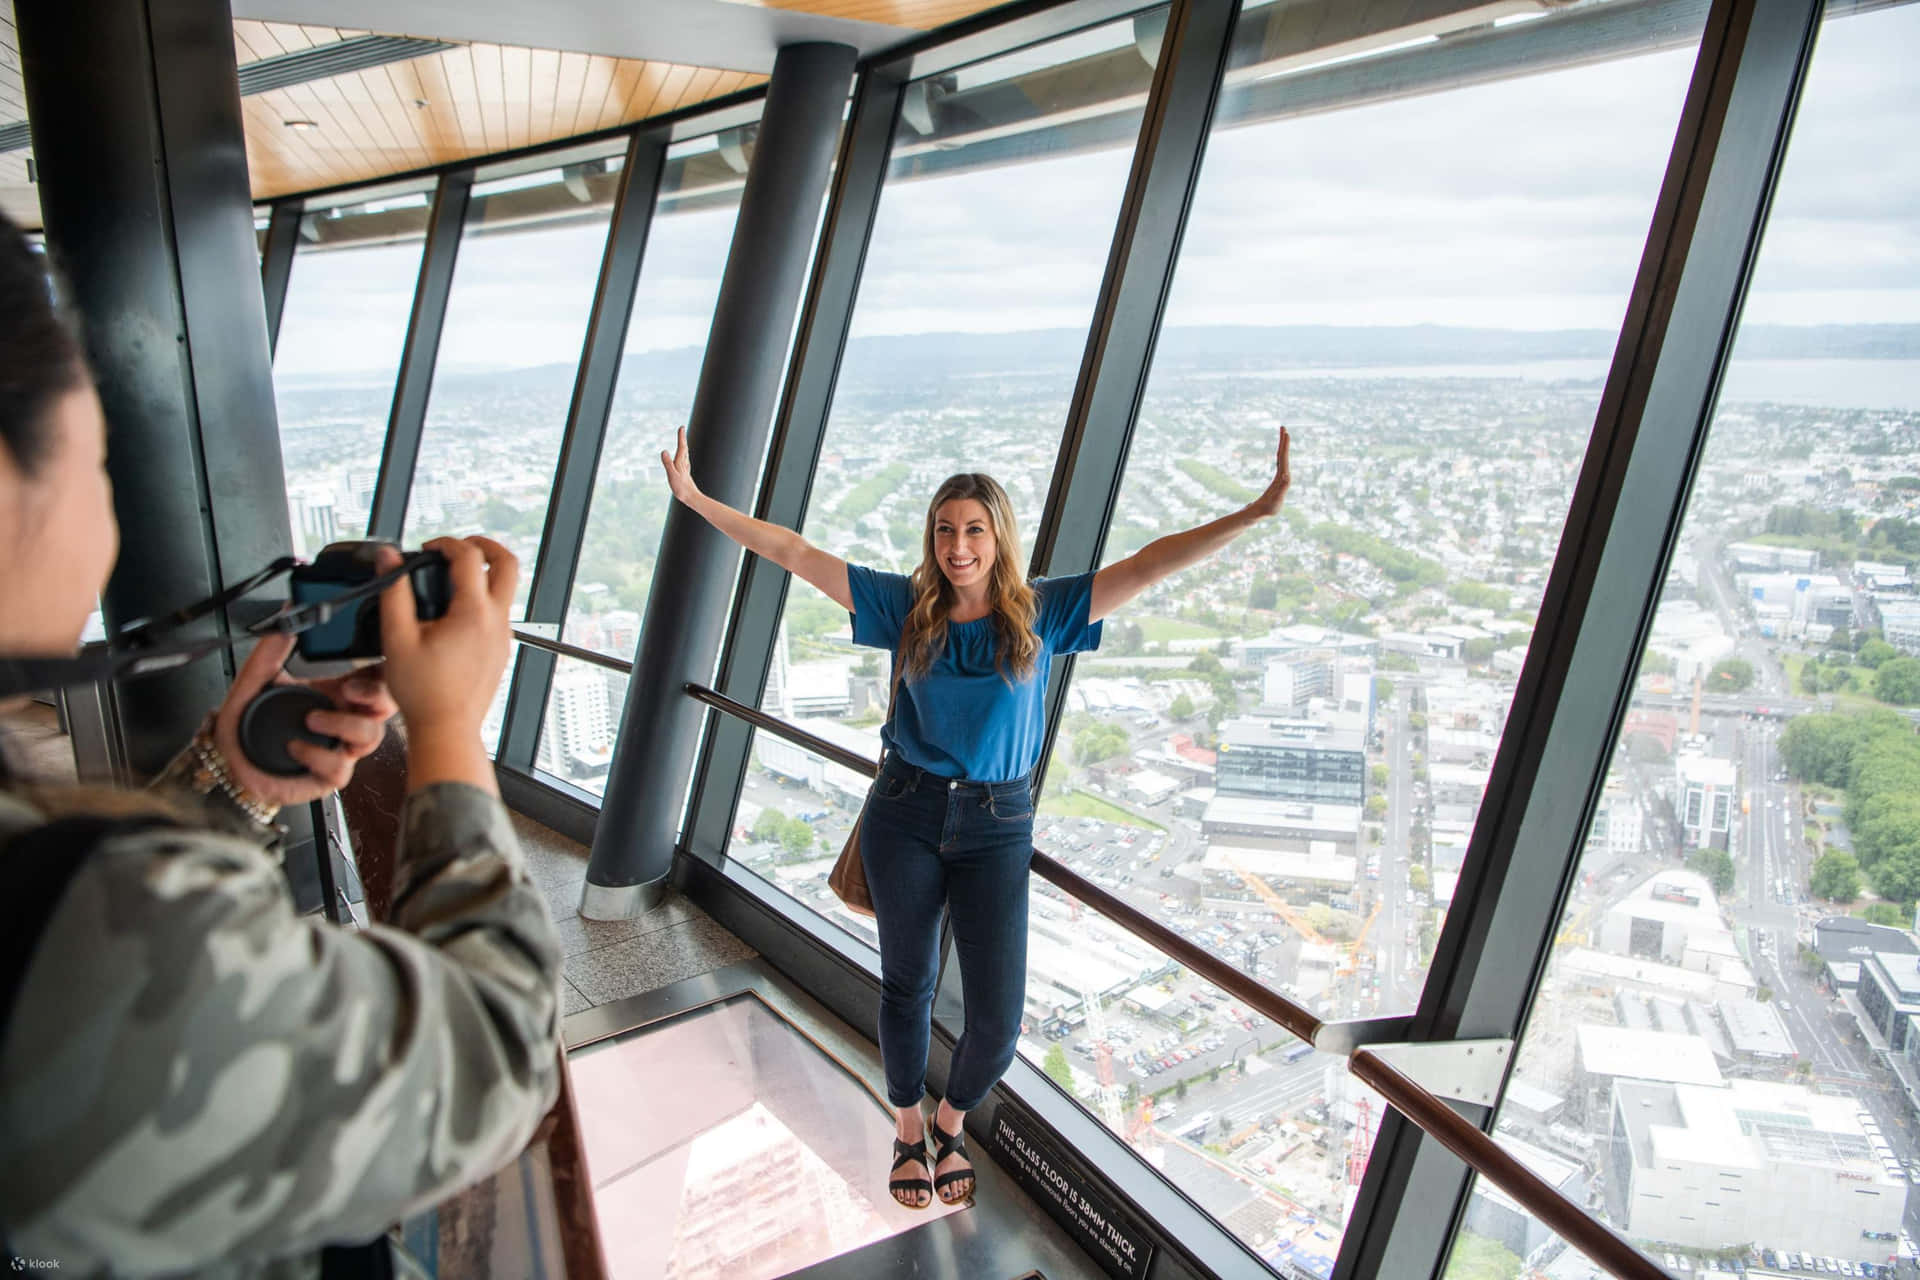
{"type": "Point", "coordinates": [769, 826]}
{"type": "Point", "coordinates": [1376, 807]}
{"type": "Point", "coordinates": [1730, 675]}
{"type": "Point", "coordinates": [1378, 775]}
{"type": "Point", "coordinates": [1181, 707]}
{"type": "Point", "coordinates": [1478, 595]}
{"type": "Point", "coordinates": [1897, 876]}
{"type": "Point", "coordinates": [1478, 1257]}
{"type": "Point", "coordinates": [1265, 594]}
{"type": "Point", "coordinates": [1886, 913]}
{"type": "Point", "coordinates": [1835, 877]}
{"type": "Point", "coordinates": [1418, 879]}
{"type": "Point", "coordinates": [1897, 682]}
{"type": "Point", "coordinates": [1099, 742]}
{"type": "Point", "coordinates": [1716, 865]}
{"type": "Point", "coordinates": [797, 839]}
{"type": "Point", "coordinates": [1812, 676]}
{"type": "Point", "coordinates": [1656, 664]}
{"type": "Point", "coordinates": [1382, 689]}
{"type": "Point", "coordinates": [1875, 652]}
{"type": "Point", "coordinates": [1057, 1068]}
{"type": "Point", "coordinates": [1206, 663]}
{"type": "Point", "coordinates": [1180, 1090]}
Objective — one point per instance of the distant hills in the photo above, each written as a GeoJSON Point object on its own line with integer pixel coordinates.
{"type": "Point", "coordinates": [1228, 348]}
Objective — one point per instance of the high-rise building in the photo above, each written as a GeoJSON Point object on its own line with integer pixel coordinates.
{"type": "Point", "coordinates": [1314, 762]}
{"type": "Point", "coordinates": [578, 737]}
{"type": "Point", "coordinates": [1705, 798]}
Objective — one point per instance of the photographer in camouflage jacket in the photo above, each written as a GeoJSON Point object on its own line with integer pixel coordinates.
{"type": "Point", "coordinates": [193, 1078]}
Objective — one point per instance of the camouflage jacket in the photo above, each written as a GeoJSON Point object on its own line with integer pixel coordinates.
{"type": "Point", "coordinates": [195, 1079]}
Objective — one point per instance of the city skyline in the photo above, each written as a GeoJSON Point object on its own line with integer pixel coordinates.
{"type": "Point", "coordinates": [1371, 215]}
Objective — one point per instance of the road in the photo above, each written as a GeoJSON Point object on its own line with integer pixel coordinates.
{"type": "Point", "coordinates": [1399, 986]}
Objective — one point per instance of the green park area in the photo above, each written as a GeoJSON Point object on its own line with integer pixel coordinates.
{"type": "Point", "coordinates": [1081, 804]}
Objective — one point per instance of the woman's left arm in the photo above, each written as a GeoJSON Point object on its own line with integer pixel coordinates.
{"type": "Point", "coordinates": [1121, 581]}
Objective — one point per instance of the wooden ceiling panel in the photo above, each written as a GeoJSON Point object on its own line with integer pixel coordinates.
{"type": "Point", "coordinates": [19, 199]}
{"type": "Point", "coordinates": [466, 101]}
{"type": "Point", "coordinates": [13, 94]}
{"type": "Point", "coordinates": [921, 15]}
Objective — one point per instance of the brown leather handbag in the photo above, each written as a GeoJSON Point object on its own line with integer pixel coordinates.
{"type": "Point", "coordinates": [849, 877]}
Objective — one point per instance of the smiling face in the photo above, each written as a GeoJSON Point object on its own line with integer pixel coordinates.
{"type": "Point", "coordinates": [963, 543]}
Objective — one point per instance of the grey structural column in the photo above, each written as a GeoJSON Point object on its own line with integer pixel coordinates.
{"type": "Point", "coordinates": [276, 263]}
{"type": "Point", "coordinates": [795, 453]}
{"type": "Point", "coordinates": [445, 223]}
{"type": "Point", "coordinates": [573, 473]}
{"type": "Point", "coordinates": [732, 410]}
{"type": "Point", "coordinates": [1625, 517]}
{"type": "Point", "coordinates": [143, 186]}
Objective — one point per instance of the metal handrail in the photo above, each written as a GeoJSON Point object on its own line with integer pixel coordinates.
{"type": "Point", "coordinates": [575, 652]}
{"type": "Point", "coordinates": [1418, 1104]}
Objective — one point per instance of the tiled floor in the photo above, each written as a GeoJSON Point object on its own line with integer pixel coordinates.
{"type": "Point", "coordinates": [34, 744]}
{"type": "Point", "coordinates": [610, 960]}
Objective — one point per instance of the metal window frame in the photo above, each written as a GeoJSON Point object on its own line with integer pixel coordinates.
{"type": "Point", "coordinates": [577, 466]}
{"type": "Point", "coordinates": [406, 420]}
{"type": "Point", "coordinates": [276, 264]}
{"type": "Point", "coordinates": [1624, 522]}
{"type": "Point", "coordinates": [1413, 1197]}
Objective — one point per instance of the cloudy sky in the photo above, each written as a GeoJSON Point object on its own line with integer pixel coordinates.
{"type": "Point", "coordinates": [1521, 204]}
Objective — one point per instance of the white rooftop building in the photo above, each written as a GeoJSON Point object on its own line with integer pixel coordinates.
{"type": "Point", "coordinates": [1708, 1167]}
{"type": "Point", "coordinates": [1672, 917]}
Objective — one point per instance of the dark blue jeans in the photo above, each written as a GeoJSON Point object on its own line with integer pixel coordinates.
{"type": "Point", "coordinates": [930, 842]}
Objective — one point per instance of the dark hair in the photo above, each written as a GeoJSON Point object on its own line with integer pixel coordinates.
{"type": "Point", "coordinates": [40, 358]}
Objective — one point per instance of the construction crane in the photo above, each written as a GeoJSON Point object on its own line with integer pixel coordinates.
{"type": "Point", "coordinates": [1142, 1119]}
{"type": "Point", "coordinates": [1359, 1143]}
{"type": "Point", "coordinates": [1298, 922]}
{"type": "Point", "coordinates": [1103, 1061]}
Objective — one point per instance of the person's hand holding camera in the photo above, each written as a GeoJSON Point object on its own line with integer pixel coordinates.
{"type": "Point", "coordinates": [443, 673]}
{"type": "Point", "coordinates": [361, 709]}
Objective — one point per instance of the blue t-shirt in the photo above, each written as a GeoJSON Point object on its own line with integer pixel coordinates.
{"type": "Point", "coordinates": [962, 719]}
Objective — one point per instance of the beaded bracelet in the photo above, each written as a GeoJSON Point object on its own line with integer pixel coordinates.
{"type": "Point", "coordinates": [212, 772]}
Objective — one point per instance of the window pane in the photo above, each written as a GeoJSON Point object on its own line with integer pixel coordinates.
{"type": "Point", "coordinates": [686, 254]}
{"type": "Point", "coordinates": [342, 332]}
{"type": "Point", "coordinates": [1721, 1059]}
{"type": "Point", "coordinates": [673, 303]}
{"type": "Point", "coordinates": [1281, 751]}
{"type": "Point", "coordinates": [1300, 729]}
{"type": "Point", "coordinates": [583, 715]}
{"type": "Point", "coordinates": [1002, 190]}
{"type": "Point", "coordinates": [523, 288]}
{"type": "Point", "coordinates": [1251, 1123]}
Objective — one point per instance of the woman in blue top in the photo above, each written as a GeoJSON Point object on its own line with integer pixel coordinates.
{"type": "Point", "coordinates": [949, 822]}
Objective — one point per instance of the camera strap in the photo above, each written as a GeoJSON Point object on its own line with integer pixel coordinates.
{"type": "Point", "coordinates": [151, 644]}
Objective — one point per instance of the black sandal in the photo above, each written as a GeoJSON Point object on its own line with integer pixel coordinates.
{"type": "Point", "coordinates": [916, 1153]}
{"type": "Point", "coordinates": [950, 1144]}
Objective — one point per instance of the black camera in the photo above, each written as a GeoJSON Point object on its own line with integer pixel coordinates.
{"type": "Point", "coordinates": [342, 568]}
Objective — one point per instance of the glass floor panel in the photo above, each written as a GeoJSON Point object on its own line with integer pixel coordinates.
{"type": "Point", "coordinates": [724, 1144]}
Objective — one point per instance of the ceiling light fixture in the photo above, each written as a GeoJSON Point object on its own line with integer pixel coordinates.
{"type": "Point", "coordinates": [300, 124]}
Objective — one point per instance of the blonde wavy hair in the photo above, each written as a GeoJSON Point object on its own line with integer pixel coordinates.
{"type": "Point", "coordinates": [1014, 603]}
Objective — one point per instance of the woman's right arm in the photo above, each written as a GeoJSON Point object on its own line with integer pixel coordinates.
{"type": "Point", "coordinates": [781, 545]}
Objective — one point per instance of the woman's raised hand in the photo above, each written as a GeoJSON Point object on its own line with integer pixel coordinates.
{"type": "Point", "coordinates": [680, 471]}
{"type": "Point", "coordinates": [1269, 502]}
